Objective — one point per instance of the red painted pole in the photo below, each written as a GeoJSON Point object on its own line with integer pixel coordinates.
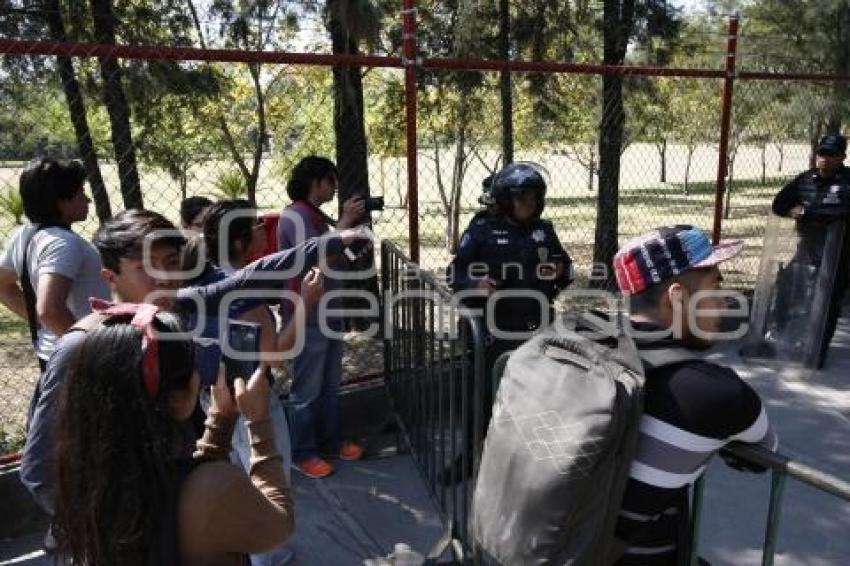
{"type": "Point", "coordinates": [409, 28]}
{"type": "Point", "coordinates": [725, 121]}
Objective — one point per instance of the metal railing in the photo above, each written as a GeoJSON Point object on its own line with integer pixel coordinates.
{"type": "Point", "coordinates": [781, 468]}
{"type": "Point", "coordinates": [434, 367]}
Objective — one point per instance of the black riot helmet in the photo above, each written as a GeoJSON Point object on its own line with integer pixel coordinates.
{"type": "Point", "coordinates": [514, 180]}
{"type": "Point", "coordinates": [486, 199]}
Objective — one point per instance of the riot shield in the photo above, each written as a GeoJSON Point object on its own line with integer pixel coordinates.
{"type": "Point", "coordinates": [797, 274]}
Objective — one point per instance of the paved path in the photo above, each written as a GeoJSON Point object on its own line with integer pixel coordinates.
{"type": "Point", "coordinates": [812, 417]}
{"type": "Point", "coordinates": [366, 507]}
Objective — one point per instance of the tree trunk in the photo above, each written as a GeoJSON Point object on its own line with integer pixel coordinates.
{"type": "Point", "coordinates": [259, 142]}
{"type": "Point", "coordinates": [688, 168]}
{"type": "Point", "coordinates": [226, 134]}
{"type": "Point", "coordinates": [729, 186]}
{"type": "Point", "coordinates": [591, 171]}
{"type": "Point", "coordinates": [617, 27]}
{"type": "Point", "coordinates": [117, 107]}
{"type": "Point", "coordinates": [77, 111]}
{"type": "Point", "coordinates": [351, 147]}
{"type": "Point", "coordinates": [458, 174]}
{"type": "Point", "coordinates": [781, 149]}
{"type": "Point", "coordinates": [610, 140]}
{"type": "Point", "coordinates": [814, 136]}
{"type": "Point", "coordinates": [662, 153]}
{"type": "Point", "coordinates": [764, 164]}
{"type": "Point", "coordinates": [349, 126]}
{"type": "Point", "coordinates": [505, 83]}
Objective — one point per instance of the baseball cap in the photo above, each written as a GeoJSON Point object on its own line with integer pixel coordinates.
{"type": "Point", "coordinates": [666, 252]}
{"type": "Point", "coordinates": [832, 143]}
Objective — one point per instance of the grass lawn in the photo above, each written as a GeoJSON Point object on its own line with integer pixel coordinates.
{"type": "Point", "coordinates": [644, 204]}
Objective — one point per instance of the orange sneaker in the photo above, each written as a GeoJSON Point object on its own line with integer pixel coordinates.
{"type": "Point", "coordinates": [314, 468]}
{"type": "Point", "coordinates": [350, 451]}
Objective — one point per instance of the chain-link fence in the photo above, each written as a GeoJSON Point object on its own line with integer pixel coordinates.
{"type": "Point", "coordinates": [223, 123]}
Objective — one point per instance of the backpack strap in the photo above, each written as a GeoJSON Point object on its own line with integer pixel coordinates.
{"type": "Point", "coordinates": [26, 284]}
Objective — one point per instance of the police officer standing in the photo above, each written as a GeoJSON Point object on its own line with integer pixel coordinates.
{"type": "Point", "coordinates": [513, 249]}
{"type": "Point", "coordinates": [512, 259]}
{"type": "Point", "coordinates": [815, 199]}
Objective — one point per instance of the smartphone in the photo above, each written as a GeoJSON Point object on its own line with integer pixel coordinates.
{"type": "Point", "coordinates": [244, 338]}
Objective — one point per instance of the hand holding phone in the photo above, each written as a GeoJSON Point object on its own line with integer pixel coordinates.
{"type": "Point", "coordinates": [252, 395]}
{"type": "Point", "coordinates": [221, 398]}
{"type": "Point", "coordinates": [244, 339]}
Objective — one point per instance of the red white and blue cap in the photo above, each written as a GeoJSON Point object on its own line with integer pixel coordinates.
{"type": "Point", "coordinates": [667, 252]}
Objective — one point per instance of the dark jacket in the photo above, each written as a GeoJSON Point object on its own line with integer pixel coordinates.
{"type": "Point", "coordinates": [511, 255]}
{"type": "Point", "coordinates": [823, 201]}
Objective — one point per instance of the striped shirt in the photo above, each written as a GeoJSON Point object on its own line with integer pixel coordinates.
{"type": "Point", "coordinates": [692, 410]}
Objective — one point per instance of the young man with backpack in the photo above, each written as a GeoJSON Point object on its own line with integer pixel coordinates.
{"type": "Point", "coordinates": [601, 426]}
{"type": "Point", "coordinates": [692, 407]}
{"type": "Point", "coordinates": [47, 271]}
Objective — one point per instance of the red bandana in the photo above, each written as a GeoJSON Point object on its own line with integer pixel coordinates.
{"type": "Point", "coordinates": [143, 317]}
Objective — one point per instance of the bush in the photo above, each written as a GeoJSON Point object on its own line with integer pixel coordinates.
{"type": "Point", "coordinates": [230, 185]}
{"type": "Point", "coordinates": [12, 205]}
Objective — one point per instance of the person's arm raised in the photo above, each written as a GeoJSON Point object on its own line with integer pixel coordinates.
{"type": "Point", "coordinates": [260, 275]}
{"type": "Point", "coordinates": [221, 510]}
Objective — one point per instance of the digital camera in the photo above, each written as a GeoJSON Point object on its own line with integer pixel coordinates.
{"type": "Point", "coordinates": [374, 203]}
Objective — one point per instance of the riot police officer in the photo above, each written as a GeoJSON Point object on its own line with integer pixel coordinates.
{"type": "Point", "coordinates": [513, 249]}
{"type": "Point", "coordinates": [816, 198]}
{"type": "Point", "coordinates": [512, 258]}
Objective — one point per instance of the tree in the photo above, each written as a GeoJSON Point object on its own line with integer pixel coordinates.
{"type": "Point", "coordinates": [104, 23]}
{"type": "Point", "coordinates": [29, 79]}
{"type": "Point", "coordinates": [172, 138]}
{"type": "Point", "coordinates": [618, 19]}
{"type": "Point", "coordinates": [386, 128]}
{"type": "Point", "coordinates": [252, 26]}
{"type": "Point", "coordinates": [350, 23]}
{"type": "Point", "coordinates": [621, 19]}
{"type": "Point", "coordinates": [77, 113]}
{"type": "Point", "coordinates": [808, 42]}
{"type": "Point", "coordinates": [693, 115]}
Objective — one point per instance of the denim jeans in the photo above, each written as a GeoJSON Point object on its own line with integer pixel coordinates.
{"type": "Point", "coordinates": [313, 406]}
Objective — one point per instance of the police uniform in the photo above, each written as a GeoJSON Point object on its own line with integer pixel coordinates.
{"type": "Point", "coordinates": [513, 256]}
{"type": "Point", "coordinates": [824, 200]}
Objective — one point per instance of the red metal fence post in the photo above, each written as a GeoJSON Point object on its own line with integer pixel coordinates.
{"type": "Point", "coordinates": [725, 120]}
{"type": "Point", "coordinates": [409, 27]}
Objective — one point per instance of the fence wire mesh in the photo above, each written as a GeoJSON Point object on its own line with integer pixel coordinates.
{"type": "Point", "coordinates": [225, 130]}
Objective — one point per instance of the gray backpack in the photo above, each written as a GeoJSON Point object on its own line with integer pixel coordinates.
{"type": "Point", "coordinates": [558, 450]}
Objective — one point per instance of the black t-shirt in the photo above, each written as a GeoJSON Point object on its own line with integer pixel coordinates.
{"type": "Point", "coordinates": [692, 409]}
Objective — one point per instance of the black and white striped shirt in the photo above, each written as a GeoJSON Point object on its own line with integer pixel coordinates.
{"type": "Point", "coordinates": [692, 410]}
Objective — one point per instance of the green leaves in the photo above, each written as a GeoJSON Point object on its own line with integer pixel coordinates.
{"type": "Point", "coordinates": [230, 185]}
{"type": "Point", "coordinates": [11, 205]}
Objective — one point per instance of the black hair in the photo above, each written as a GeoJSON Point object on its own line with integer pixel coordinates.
{"type": "Point", "coordinates": [46, 181]}
{"type": "Point", "coordinates": [118, 451]}
{"type": "Point", "coordinates": [123, 236]}
{"type": "Point", "coordinates": [239, 230]}
{"type": "Point", "coordinates": [311, 168]}
{"type": "Point", "coordinates": [191, 208]}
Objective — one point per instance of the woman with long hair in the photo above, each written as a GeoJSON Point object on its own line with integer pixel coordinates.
{"type": "Point", "coordinates": [129, 490]}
